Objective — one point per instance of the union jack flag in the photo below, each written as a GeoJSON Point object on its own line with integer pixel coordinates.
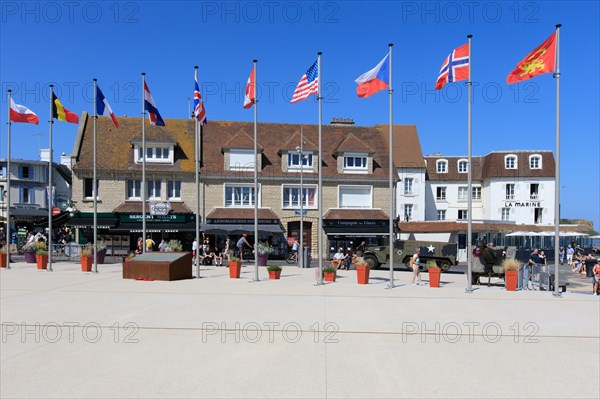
{"type": "Point", "coordinates": [308, 85]}
{"type": "Point", "coordinates": [455, 67]}
{"type": "Point", "coordinates": [199, 111]}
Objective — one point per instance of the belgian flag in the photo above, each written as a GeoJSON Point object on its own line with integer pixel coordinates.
{"type": "Point", "coordinates": [61, 113]}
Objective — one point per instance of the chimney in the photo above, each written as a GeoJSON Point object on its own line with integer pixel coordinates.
{"type": "Point", "coordinates": [65, 160]}
{"type": "Point", "coordinates": [342, 122]}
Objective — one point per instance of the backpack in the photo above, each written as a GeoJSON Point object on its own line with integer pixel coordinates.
{"type": "Point", "coordinates": [477, 252]}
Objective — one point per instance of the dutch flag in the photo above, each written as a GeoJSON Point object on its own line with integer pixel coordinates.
{"type": "Point", "coordinates": [150, 107]}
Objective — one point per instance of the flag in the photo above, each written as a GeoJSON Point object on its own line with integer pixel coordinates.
{"type": "Point", "coordinates": [20, 113]}
{"type": "Point", "coordinates": [308, 85]}
{"type": "Point", "coordinates": [103, 108]}
{"type": "Point", "coordinates": [150, 107]}
{"type": "Point", "coordinates": [539, 61]}
{"type": "Point", "coordinates": [250, 94]}
{"type": "Point", "coordinates": [199, 110]}
{"type": "Point", "coordinates": [455, 67]}
{"type": "Point", "coordinates": [61, 113]}
{"type": "Point", "coordinates": [374, 80]}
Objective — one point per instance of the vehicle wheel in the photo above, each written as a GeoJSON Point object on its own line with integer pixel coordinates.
{"type": "Point", "coordinates": [371, 261]}
{"type": "Point", "coordinates": [444, 265]}
{"type": "Point", "coordinates": [290, 258]}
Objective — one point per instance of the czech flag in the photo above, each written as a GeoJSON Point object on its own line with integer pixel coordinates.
{"type": "Point", "coordinates": [103, 108]}
{"type": "Point", "coordinates": [374, 80]}
{"type": "Point", "coordinates": [150, 107]}
{"type": "Point", "coordinates": [20, 113]}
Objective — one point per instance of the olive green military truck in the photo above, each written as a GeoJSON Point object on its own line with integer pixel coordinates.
{"type": "Point", "coordinates": [443, 253]}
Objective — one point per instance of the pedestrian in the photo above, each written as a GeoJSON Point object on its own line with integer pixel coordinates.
{"type": "Point", "coordinates": [227, 248]}
{"type": "Point", "coordinates": [570, 252]}
{"type": "Point", "coordinates": [489, 257]}
{"type": "Point", "coordinates": [150, 244]}
{"type": "Point", "coordinates": [415, 264]}
{"type": "Point", "coordinates": [597, 277]}
{"type": "Point", "coordinates": [162, 246]}
{"type": "Point", "coordinates": [140, 246]}
{"type": "Point", "coordinates": [240, 245]}
{"type": "Point", "coordinates": [194, 251]}
{"type": "Point", "coordinates": [561, 255]}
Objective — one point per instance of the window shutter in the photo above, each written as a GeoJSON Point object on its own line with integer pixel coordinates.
{"type": "Point", "coordinates": [21, 196]}
{"type": "Point", "coordinates": [31, 196]}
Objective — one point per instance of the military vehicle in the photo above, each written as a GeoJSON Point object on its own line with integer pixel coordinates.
{"type": "Point", "coordinates": [443, 253]}
{"type": "Point", "coordinates": [478, 268]}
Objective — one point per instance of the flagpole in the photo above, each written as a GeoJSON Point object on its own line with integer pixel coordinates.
{"type": "Point", "coordinates": [301, 255]}
{"type": "Point", "coordinates": [8, 237]}
{"type": "Point", "coordinates": [197, 172]}
{"type": "Point", "coordinates": [469, 175]}
{"type": "Point", "coordinates": [556, 292]}
{"type": "Point", "coordinates": [320, 167]}
{"type": "Point", "coordinates": [391, 181]}
{"type": "Point", "coordinates": [49, 191]}
{"type": "Point", "coordinates": [255, 181]}
{"type": "Point", "coordinates": [144, 165]}
{"type": "Point", "coordinates": [94, 182]}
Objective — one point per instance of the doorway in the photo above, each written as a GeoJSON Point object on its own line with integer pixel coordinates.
{"type": "Point", "coordinates": [294, 231]}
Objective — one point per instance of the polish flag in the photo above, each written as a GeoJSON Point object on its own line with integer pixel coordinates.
{"type": "Point", "coordinates": [250, 94]}
{"type": "Point", "coordinates": [20, 113]}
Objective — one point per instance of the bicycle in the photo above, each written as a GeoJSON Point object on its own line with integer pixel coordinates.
{"type": "Point", "coordinates": [292, 257]}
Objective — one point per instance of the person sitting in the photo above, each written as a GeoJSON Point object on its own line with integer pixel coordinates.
{"type": "Point", "coordinates": [597, 277]}
{"type": "Point", "coordinates": [338, 258]}
{"type": "Point", "coordinates": [217, 256]}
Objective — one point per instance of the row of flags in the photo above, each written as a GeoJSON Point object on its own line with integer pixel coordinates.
{"type": "Point", "coordinates": [454, 68]}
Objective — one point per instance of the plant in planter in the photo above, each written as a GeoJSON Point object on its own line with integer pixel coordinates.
{"type": "Point", "coordinates": [100, 251]}
{"type": "Point", "coordinates": [174, 246]}
{"type": "Point", "coordinates": [434, 274]}
{"type": "Point", "coordinates": [129, 257]}
{"type": "Point", "coordinates": [264, 249]}
{"type": "Point", "coordinates": [362, 271]}
{"type": "Point", "coordinates": [511, 273]}
{"type": "Point", "coordinates": [235, 267]}
{"type": "Point", "coordinates": [29, 251]}
{"type": "Point", "coordinates": [274, 272]}
{"type": "Point", "coordinates": [87, 258]}
{"type": "Point", "coordinates": [41, 256]}
{"type": "Point", "coordinates": [329, 274]}
{"type": "Point", "coordinates": [3, 257]}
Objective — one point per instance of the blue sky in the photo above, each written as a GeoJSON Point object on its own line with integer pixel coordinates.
{"type": "Point", "coordinates": [68, 44]}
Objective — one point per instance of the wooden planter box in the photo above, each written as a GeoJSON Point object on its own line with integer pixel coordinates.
{"type": "Point", "coordinates": [165, 266]}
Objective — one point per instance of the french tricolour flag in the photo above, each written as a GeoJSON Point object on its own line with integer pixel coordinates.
{"type": "Point", "coordinates": [150, 107]}
{"type": "Point", "coordinates": [103, 108]}
{"type": "Point", "coordinates": [374, 80]}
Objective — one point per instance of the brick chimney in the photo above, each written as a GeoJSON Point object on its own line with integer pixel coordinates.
{"type": "Point", "coordinates": [342, 122]}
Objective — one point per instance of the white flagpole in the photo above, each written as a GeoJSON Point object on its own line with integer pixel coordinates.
{"type": "Point", "coordinates": [557, 181]}
{"type": "Point", "coordinates": [301, 254]}
{"type": "Point", "coordinates": [94, 183]}
{"type": "Point", "coordinates": [320, 167]}
{"type": "Point", "coordinates": [8, 237]}
{"type": "Point", "coordinates": [469, 175]}
{"type": "Point", "coordinates": [256, 196]}
{"type": "Point", "coordinates": [144, 165]}
{"type": "Point", "coordinates": [49, 191]}
{"type": "Point", "coordinates": [391, 181]}
{"type": "Point", "coordinates": [197, 171]}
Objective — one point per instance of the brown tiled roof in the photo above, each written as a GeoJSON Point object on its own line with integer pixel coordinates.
{"type": "Point", "coordinates": [241, 213]}
{"type": "Point", "coordinates": [241, 139]}
{"type": "Point", "coordinates": [352, 144]}
{"type": "Point", "coordinates": [453, 226]}
{"type": "Point", "coordinates": [406, 150]}
{"type": "Point", "coordinates": [294, 141]}
{"type": "Point", "coordinates": [355, 214]}
{"type": "Point", "coordinates": [136, 206]}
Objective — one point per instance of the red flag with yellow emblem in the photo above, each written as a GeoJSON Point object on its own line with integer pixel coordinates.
{"type": "Point", "coordinates": [539, 61]}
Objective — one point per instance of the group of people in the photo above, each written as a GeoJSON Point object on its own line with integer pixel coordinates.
{"type": "Point", "coordinates": [344, 261]}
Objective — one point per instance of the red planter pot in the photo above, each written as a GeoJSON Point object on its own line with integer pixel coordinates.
{"type": "Point", "coordinates": [434, 277]}
{"type": "Point", "coordinates": [42, 262]}
{"type": "Point", "coordinates": [511, 278]}
{"type": "Point", "coordinates": [329, 277]}
{"type": "Point", "coordinates": [2, 260]}
{"type": "Point", "coordinates": [362, 274]}
{"type": "Point", "coordinates": [274, 275]}
{"type": "Point", "coordinates": [29, 257]}
{"type": "Point", "coordinates": [86, 263]}
{"type": "Point", "coordinates": [235, 268]}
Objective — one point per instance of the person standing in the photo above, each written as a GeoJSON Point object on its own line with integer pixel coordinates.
{"type": "Point", "coordinates": [489, 257]}
{"type": "Point", "coordinates": [415, 263]}
{"type": "Point", "coordinates": [597, 278]}
{"type": "Point", "coordinates": [240, 245]}
{"type": "Point", "coordinates": [570, 252]}
{"type": "Point", "coordinates": [194, 250]}
{"type": "Point", "coordinates": [150, 244]}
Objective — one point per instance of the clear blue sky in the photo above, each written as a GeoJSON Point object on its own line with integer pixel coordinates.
{"type": "Point", "coordinates": [68, 45]}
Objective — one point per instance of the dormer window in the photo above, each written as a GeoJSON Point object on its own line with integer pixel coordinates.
{"type": "Point", "coordinates": [510, 162]}
{"type": "Point", "coordinates": [155, 153]}
{"type": "Point", "coordinates": [355, 162]}
{"type": "Point", "coordinates": [535, 162]}
{"type": "Point", "coordinates": [441, 166]}
{"type": "Point", "coordinates": [294, 160]}
{"type": "Point", "coordinates": [241, 159]}
{"type": "Point", "coordinates": [462, 166]}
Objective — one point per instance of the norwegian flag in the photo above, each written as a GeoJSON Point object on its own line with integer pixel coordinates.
{"type": "Point", "coordinates": [455, 67]}
{"type": "Point", "coordinates": [199, 110]}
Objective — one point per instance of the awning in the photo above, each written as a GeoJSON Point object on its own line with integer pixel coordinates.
{"type": "Point", "coordinates": [357, 230]}
{"type": "Point", "coordinates": [84, 222]}
{"type": "Point", "coordinates": [160, 227]}
{"type": "Point", "coordinates": [28, 212]}
{"type": "Point", "coordinates": [222, 228]}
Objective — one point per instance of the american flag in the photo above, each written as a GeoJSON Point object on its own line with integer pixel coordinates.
{"type": "Point", "coordinates": [308, 85]}
{"type": "Point", "coordinates": [199, 111]}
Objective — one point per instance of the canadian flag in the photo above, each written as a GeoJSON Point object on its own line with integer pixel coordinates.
{"type": "Point", "coordinates": [20, 113]}
{"type": "Point", "coordinates": [250, 95]}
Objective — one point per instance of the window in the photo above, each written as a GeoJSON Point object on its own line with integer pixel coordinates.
{"type": "Point", "coordinates": [463, 214]}
{"type": "Point", "coordinates": [3, 170]}
{"type": "Point", "coordinates": [441, 214]}
{"type": "Point", "coordinates": [355, 197]}
{"type": "Point", "coordinates": [88, 189]}
{"type": "Point", "coordinates": [462, 166]}
{"type": "Point", "coordinates": [241, 160]}
{"type": "Point", "coordinates": [510, 191]}
{"type": "Point", "coordinates": [239, 195]}
{"type": "Point", "coordinates": [441, 194]}
{"type": "Point", "coordinates": [535, 162]}
{"type": "Point", "coordinates": [174, 189]}
{"type": "Point", "coordinates": [294, 160]}
{"type": "Point", "coordinates": [408, 186]}
{"type": "Point", "coordinates": [534, 191]}
{"type": "Point", "coordinates": [2, 194]}
{"type": "Point", "coordinates": [26, 172]}
{"type": "Point", "coordinates": [537, 215]}
{"type": "Point", "coordinates": [355, 162]}
{"type": "Point", "coordinates": [510, 162]}
{"type": "Point", "coordinates": [27, 196]}
{"type": "Point", "coordinates": [505, 214]}
{"type": "Point", "coordinates": [153, 190]}
{"type": "Point", "coordinates": [476, 193]}
{"type": "Point", "coordinates": [441, 166]}
{"type": "Point", "coordinates": [156, 154]}
{"type": "Point", "coordinates": [463, 193]}
{"type": "Point", "coordinates": [408, 212]}
{"type": "Point", "coordinates": [291, 196]}
{"type": "Point", "coordinates": [134, 189]}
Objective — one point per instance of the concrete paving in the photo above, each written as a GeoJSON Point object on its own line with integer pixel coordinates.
{"type": "Point", "coordinates": [70, 334]}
